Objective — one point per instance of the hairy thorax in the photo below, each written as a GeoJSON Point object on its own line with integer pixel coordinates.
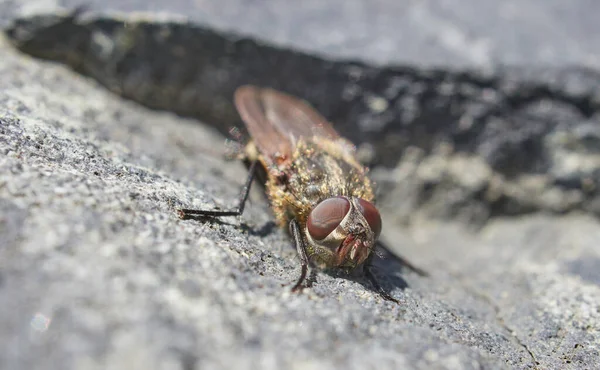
{"type": "Point", "coordinates": [318, 169]}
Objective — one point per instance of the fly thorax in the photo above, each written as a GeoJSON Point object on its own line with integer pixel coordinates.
{"type": "Point", "coordinates": [313, 192]}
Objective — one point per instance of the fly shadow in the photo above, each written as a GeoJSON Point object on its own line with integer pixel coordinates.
{"type": "Point", "coordinates": [382, 273]}
{"type": "Point", "coordinates": [264, 230]}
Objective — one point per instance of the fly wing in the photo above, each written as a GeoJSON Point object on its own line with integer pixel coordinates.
{"type": "Point", "coordinates": [276, 121]}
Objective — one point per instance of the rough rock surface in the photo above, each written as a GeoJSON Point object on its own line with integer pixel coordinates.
{"type": "Point", "coordinates": [96, 271]}
{"type": "Point", "coordinates": [529, 136]}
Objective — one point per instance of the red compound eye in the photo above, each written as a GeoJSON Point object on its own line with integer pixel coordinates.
{"type": "Point", "coordinates": [372, 216]}
{"type": "Point", "coordinates": [326, 216]}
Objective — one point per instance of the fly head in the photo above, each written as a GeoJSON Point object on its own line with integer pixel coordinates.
{"type": "Point", "coordinates": [345, 227]}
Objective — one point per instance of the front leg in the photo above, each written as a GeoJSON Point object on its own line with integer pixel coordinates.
{"type": "Point", "coordinates": [368, 271]}
{"type": "Point", "coordinates": [301, 248]}
{"type": "Point", "coordinates": [186, 213]}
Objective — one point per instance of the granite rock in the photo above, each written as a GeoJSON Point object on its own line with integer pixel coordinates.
{"type": "Point", "coordinates": [97, 271]}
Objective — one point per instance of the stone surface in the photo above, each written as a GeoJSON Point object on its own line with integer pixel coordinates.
{"type": "Point", "coordinates": [471, 143]}
{"type": "Point", "coordinates": [96, 270]}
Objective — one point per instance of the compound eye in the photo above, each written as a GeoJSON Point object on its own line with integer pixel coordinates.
{"type": "Point", "coordinates": [326, 216]}
{"type": "Point", "coordinates": [371, 214]}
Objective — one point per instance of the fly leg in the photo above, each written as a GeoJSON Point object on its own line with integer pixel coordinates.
{"type": "Point", "coordinates": [368, 271]}
{"type": "Point", "coordinates": [301, 248]}
{"type": "Point", "coordinates": [185, 213]}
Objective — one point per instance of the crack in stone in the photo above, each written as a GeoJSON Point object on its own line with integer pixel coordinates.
{"type": "Point", "coordinates": [498, 317]}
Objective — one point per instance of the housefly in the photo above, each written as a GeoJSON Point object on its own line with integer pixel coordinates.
{"type": "Point", "coordinates": [314, 182]}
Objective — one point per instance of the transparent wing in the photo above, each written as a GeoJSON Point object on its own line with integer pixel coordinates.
{"type": "Point", "coordinates": [276, 121]}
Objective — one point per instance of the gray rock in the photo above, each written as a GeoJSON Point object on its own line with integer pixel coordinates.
{"type": "Point", "coordinates": [482, 143]}
{"type": "Point", "coordinates": [96, 270]}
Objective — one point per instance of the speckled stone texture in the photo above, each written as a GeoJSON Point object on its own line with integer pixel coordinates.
{"type": "Point", "coordinates": [97, 271]}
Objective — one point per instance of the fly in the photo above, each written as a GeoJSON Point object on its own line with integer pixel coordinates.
{"type": "Point", "coordinates": [316, 186]}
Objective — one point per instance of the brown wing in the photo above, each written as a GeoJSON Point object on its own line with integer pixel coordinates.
{"type": "Point", "coordinates": [276, 121]}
